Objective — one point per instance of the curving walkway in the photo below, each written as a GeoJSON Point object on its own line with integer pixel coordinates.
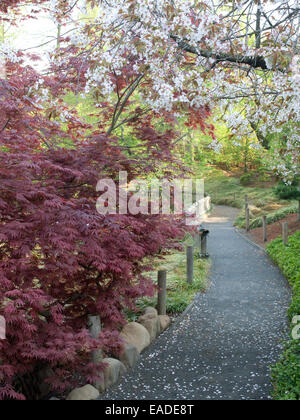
{"type": "Point", "coordinates": [223, 347]}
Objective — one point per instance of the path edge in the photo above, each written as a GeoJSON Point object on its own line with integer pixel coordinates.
{"type": "Point", "coordinates": [241, 233]}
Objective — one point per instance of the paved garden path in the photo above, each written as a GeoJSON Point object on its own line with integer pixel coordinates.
{"type": "Point", "coordinates": [223, 347]}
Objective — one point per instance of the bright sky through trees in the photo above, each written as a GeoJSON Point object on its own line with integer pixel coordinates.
{"type": "Point", "coordinates": [220, 53]}
{"type": "Point", "coordinates": [39, 35]}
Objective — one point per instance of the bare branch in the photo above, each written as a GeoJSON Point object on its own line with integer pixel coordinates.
{"type": "Point", "coordinates": [255, 62]}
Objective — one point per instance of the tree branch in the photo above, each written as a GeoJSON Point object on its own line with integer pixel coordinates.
{"type": "Point", "coordinates": [258, 26]}
{"type": "Point", "coordinates": [130, 90]}
{"type": "Point", "coordinates": [257, 62]}
{"type": "Point", "coordinates": [5, 125]}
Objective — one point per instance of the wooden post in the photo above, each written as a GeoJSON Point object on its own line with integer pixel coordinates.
{"type": "Point", "coordinates": [246, 202]}
{"type": "Point", "coordinates": [247, 213]}
{"type": "Point", "coordinates": [247, 219]}
{"type": "Point", "coordinates": [203, 246]}
{"type": "Point", "coordinates": [197, 242]}
{"type": "Point", "coordinates": [95, 329]}
{"type": "Point", "coordinates": [285, 233]}
{"type": "Point", "coordinates": [265, 224]}
{"type": "Point", "coordinates": [162, 292]}
{"type": "Point", "coordinates": [190, 264]}
{"type": "Point", "coordinates": [234, 197]}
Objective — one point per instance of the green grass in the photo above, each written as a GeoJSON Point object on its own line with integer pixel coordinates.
{"type": "Point", "coordinates": [226, 189]}
{"type": "Point", "coordinates": [272, 217]}
{"type": "Point", "coordinates": [179, 293]}
{"type": "Point", "coordinates": [222, 188]}
{"type": "Point", "coordinates": [286, 374]}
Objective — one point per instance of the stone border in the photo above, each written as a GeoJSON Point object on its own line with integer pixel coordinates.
{"type": "Point", "coordinates": [133, 333]}
{"type": "Point", "coordinates": [138, 336]}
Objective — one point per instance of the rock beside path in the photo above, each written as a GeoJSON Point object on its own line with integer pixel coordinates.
{"type": "Point", "coordinates": [150, 310]}
{"type": "Point", "coordinates": [130, 356]}
{"type": "Point", "coordinates": [113, 372]}
{"type": "Point", "coordinates": [86, 393]}
{"type": "Point", "coordinates": [152, 324]}
{"type": "Point", "coordinates": [136, 335]}
{"type": "Point", "coordinates": [165, 322]}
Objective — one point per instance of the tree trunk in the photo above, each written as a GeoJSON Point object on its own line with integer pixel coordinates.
{"type": "Point", "coordinates": [258, 26]}
{"type": "Point", "coordinates": [95, 329]}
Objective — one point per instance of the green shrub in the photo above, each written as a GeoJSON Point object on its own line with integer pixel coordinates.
{"type": "Point", "coordinates": [264, 177]}
{"type": "Point", "coordinates": [260, 203]}
{"type": "Point", "coordinates": [227, 190]}
{"type": "Point", "coordinates": [288, 192]}
{"type": "Point", "coordinates": [286, 373]}
{"type": "Point", "coordinates": [246, 179]}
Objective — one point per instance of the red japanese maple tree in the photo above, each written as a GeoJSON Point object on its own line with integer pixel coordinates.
{"type": "Point", "coordinates": [60, 260]}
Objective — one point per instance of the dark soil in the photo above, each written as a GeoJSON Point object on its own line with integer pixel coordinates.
{"type": "Point", "coordinates": [274, 230]}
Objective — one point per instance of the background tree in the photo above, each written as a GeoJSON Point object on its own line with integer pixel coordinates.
{"type": "Point", "coordinates": [145, 68]}
{"type": "Point", "coordinates": [60, 261]}
{"type": "Point", "coordinates": [184, 55]}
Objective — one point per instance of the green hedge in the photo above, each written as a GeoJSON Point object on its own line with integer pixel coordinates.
{"type": "Point", "coordinates": [271, 218]}
{"type": "Point", "coordinates": [286, 374]}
